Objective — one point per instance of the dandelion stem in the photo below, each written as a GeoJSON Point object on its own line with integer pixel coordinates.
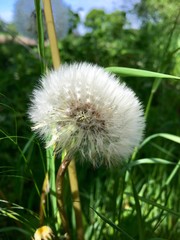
{"type": "Point", "coordinates": [59, 191]}
{"type": "Point", "coordinates": [76, 199]}
{"type": "Point", "coordinates": [50, 156]}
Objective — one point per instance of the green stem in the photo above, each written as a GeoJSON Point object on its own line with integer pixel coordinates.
{"type": "Point", "coordinates": [52, 181]}
{"type": "Point", "coordinates": [59, 191]}
{"type": "Point", "coordinates": [40, 29]}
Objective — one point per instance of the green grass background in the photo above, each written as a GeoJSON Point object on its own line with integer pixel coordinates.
{"type": "Point", "coordinates": [140, 199]}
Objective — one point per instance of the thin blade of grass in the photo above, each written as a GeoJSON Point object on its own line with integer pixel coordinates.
{"type": "Point", "coordinates": [150, 161]}
{"type": "Point", "coordinates": [9, 229]}
{"type": "Point", "coordinates": [168, 136]}
{"type": "Point", "coordinates": [145, 161]}
{"type": "Point", "coordinates": [133, 72]}
{"type": "Point", "coordinates": [155, 204]}
{"type": "Point", "coordinates": [119, 229]}
{"type": "Point", "coordinates": [40, 28]}
{"type": "Point", "coordinates": [138, 211]}
{"type": "Point", "coordinates": [173, 173]}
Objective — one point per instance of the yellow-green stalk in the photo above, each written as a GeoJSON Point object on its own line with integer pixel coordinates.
{"type": "Point", "coordinates": [51, 33]}
{"type": "Point", "coordinates": [76, 199]}
{"type": "Point", "coordinates": [72, 168]}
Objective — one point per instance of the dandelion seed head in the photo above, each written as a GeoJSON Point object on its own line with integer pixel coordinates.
{"type": "Point", "coordinates": [82, 108]}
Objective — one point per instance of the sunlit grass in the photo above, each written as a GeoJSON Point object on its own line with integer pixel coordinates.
{"type": "Point", "coordinates": [139, 200]}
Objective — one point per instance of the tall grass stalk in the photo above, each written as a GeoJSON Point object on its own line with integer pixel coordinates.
{"type": "Point", "coordinates": [49, 180]}
{"type": "Point", "coordinates": [51, 33]}
{"type": "Point", "coordinates": [40, 28]}
{"type": "Point", "coordinates": [138, 210]}
{"type": "Point", "coordinates": [76, 199]}
{"type": "Point", "coordinates": [72, 168]}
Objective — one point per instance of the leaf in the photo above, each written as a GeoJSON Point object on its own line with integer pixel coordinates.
{"type": "Point", "coordinates": [140, 221]}
{"type": "Point", "coordinates": [9, 229]}
{"type": "Point", "coordinates": [119, 229]}
{"type": "Point", "coordinates": [133, 72]}
{"type": "Point", "coordinates": [155, 204]}
{"type": "Point", "coordinates": [149, 161]}
{"type": "Point", "coordinates": [168, 136]}
{"type": "Point", "coordinates": [145, 161]}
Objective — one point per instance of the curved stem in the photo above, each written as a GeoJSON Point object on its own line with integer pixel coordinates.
{"type": "Point", "coordinates": [59, 191]}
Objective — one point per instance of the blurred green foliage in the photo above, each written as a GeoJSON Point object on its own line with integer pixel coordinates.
{"type": "Point", "coordinates": [109, 41]}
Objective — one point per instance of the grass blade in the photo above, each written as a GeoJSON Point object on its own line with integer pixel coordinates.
{"type": "Point", "coordinates": [119, 229]}
{"type": "Point", "coordinates": [168, 136]}
{"type": "Point", "coordinates": [40, 28]}
{"type": "Point", "coordinates": [155, 204]}
{"type": "Point", "coordinates": [138, 211]}
{"type": "Point", "coordinates": [138, 73]}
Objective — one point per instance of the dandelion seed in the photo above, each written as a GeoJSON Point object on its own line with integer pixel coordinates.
{"type": "Point", "coordinates": [82, 108]}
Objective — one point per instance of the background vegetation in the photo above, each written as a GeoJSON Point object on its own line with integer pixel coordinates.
{"type": "Point", "coordinates": [139, 200]}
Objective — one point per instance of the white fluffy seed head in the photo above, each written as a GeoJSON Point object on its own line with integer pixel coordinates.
{"type": "Point", "coordinates": [82, 108]}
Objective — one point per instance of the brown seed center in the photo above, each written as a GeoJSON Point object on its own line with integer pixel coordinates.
{"type": "Point", "coordinates": [87, 117]}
